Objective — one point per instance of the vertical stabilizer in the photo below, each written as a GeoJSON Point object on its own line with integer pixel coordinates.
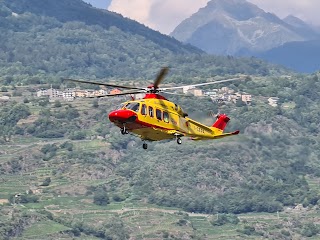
{"type": "Point", "coordinates": [221, 122]}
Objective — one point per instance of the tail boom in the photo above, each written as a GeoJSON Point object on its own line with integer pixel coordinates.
{"type": "Point", "coordinates": [216, 136]}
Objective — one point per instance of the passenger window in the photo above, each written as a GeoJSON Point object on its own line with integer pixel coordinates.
{"type": "Point", "coordinates": [143, 109]}
{"type": "Point", "coordinates": [166, 117]}
{"type": "Point", "coordinates": [159, 114]}
{"type": "Point", "coordinates": [151, 112]}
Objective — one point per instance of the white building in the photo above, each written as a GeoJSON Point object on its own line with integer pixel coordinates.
{"type": "Point", "coordinates": [196, 92]}
{"type": "Point", "coordinates": [54, 93]}
{"type": "Point", "coordinates": [246, 98]}
{"type": "Point", "coordinates": [69, 94]}
{"type": "Point", "coordinates": [42, 92]}
{"type": "Point", "coordinates": [185, 89]}
{"type": "Point", "coordinates": [273, 101]}
{"type": "Point", "coordinates": [4, 98]}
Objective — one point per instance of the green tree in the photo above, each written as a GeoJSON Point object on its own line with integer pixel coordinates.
{"type": "Point", "coordinates": [95, 103]}
{"type": "Point", "coordinates": [57, 104]}
{"type": "Point", "coordinates": [101, 198]}
{"type": "Point", "coordinates": [46, 182]}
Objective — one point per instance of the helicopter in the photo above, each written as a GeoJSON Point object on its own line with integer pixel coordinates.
{"type": "Point", "coordinates": [155, 118]}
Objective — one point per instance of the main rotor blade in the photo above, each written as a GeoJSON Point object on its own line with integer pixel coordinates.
{"type": "Point", "coordinates": [203, 84]}
{"type": "Point", "coordinates": [120, 94]}
{"type": "Point", "coordinates": [160, 77]}
{"type": "Point", "coordinates": [177, 94]}
{"type": "Point", "coordinates": [103, 84]}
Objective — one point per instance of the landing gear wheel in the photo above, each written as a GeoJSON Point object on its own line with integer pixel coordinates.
{"type": "Point", "coordinates": [179, 141]}
{"type": "Point", "coordinates": [124, 131]}
{"type": "Point", "coordinates": [145, 146]}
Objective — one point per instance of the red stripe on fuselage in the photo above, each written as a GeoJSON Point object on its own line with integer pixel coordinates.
{"type": "Point", "coordinates": [138, 125]}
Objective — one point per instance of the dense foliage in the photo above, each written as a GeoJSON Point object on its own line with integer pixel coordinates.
{"type": "Point", "coordinates": [44, 48]}
{"type": "Point", "coordinates": [253, 174]}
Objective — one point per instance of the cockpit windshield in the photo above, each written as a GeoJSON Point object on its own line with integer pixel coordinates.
{"type": "Point", "coordinates": [133, 106]}
{"type": "Point", "coordinates": [121, 106]}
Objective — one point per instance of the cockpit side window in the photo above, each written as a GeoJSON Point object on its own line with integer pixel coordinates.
{"type": "Point", "coordinates": [133, 106]}
{"type": "Point", "coordinates": [166, 117]}
{"type": "Point", "coordinates": [123, 105]}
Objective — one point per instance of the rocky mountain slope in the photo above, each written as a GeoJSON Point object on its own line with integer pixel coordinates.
{"type": "Point", "coordinates": [239, 27]}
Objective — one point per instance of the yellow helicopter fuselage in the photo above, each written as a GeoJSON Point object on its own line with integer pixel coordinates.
{"type": "Point", "coordinates": [155, 118]}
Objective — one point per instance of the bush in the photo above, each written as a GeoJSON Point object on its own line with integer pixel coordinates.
{"type": "Point", "coordinates": [50, 134]}
{"type": "Point", "coordinates": [57, 104]}
{"type": "Point", "coordinates": [46, 182]}
{"type": "Point", "coordinates": [101, 198]}
{"type": "Point", "coordinates": [67, 145]}
{"type": "Point", "coordinates": [118, 198]}
{"type": "Point", "coordinates": [79, 135]}
{"type": "Point", "coordinates": [182, 222]}
{"type": "Point", "coordinates": [49, 148]}
{"type": "Point", "coordinates": [309, 230]}
{"type": "Point", "coordinates": [43, 102]}
{"type": "Point", "coordinates": [4, 89]}
{"type": "Point", "coordinates": [95, 104]}
{"type": "Point", "coordinates": [225, 219]}
{"type": "Point", "coordinates": [285, 233]}
{"type": "Point", "coordinates": [248, 230]}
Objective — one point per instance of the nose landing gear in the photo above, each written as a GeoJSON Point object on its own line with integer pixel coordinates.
{"type": "Point", "coordinates": [124, 130]}
{"type": "Point", "coordinates": [145, 146]}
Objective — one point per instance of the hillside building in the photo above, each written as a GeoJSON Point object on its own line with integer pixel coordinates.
{"type": "Point", "coordinates": [247, 98]}
{"type": "Point", "coordinates": [273, 101]}
{"type": "Point", "coordinates": [115, 91]}
{"type": "Point", "coordinates": [196, 92]}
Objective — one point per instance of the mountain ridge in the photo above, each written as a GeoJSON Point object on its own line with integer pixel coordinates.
{"type": "Point", "coordinates": [242, 21]}
{"type": "Point", "coordinates": [77, 10]}
{"type": "Point", "coordinates": [300, 56]}
{"type": "Point", "coordinates": [106, 47]}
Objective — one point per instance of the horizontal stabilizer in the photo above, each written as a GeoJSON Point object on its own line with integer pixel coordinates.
{"type": "Point", "coordinates": [216, 136]}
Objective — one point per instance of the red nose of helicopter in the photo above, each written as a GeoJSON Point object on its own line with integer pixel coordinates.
{"type": "Point", "coordinates": [122, 116]}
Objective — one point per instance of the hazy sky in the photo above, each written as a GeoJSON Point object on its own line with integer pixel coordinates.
{"type": "Point", "coordinates": [104, 4]}
{"type": "Point", "coordinates": [165, 15]}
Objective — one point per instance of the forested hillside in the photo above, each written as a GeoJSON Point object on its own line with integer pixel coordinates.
{"type": "Point", "coordinates": [301, 56]}
{"type": "Point", "coordinates": [67, 172]}
{"type": "Point", "coordinates": [97, 44]}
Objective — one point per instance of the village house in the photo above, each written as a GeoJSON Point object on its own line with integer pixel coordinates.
{"type": "Point", "coordinates": [186, 89]}
{"type": "Point", "coordinates": [80, 93]}
{"type": "Point", "coordinates": [54, 93]}
{"type": "Point", "coordinates": [273, 101]}
{"type": "Point", "coordinates": [196, 92]}
{"type": "Point", "coordinates": [100, 92]}
{"type": "Point", "coordinates": [42, 92]}
{"type": "Point", "coordinates": [247, 98]}
{"type": "Point", "coordinates": [115, 91]}
{"type": "Point", "coordinates": [212, 92]}
{"type": "Point", "coordinates": [68, 94]}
